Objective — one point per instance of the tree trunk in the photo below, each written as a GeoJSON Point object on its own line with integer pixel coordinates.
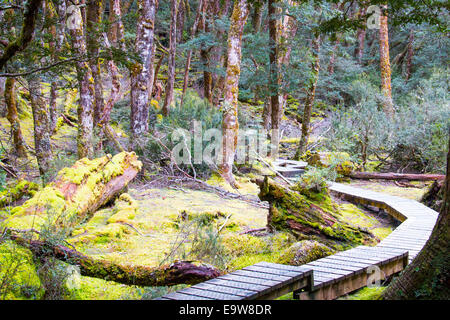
{"type": "Point", "coordinates": [205, 56]}
{"type": "Point", "coordinates": [116, 31]}
{"type": "Point", "coordinates": [13, 117]}
{"type": "Point", "coordinates": [93, 20]}
{"type": "Point", "coordinates": [87, 92]}
{"type": "Point", "coordinates": [361, 36]}
{"type": "Point", "coordinates": [230, 125]}
{"type": "Point", "coordinates": [189, 54]}
{"type": "Point", "coordinates": [55, 44]}
{"type": "Point", "coordinates": [172, 52]}
{"type": "Point", "coordinates": [274, 75]}
{"type": "Point", "coordinates": [385, 65]}
{"type": "Point", "coordinates": [41, 120]}
{"type": "Point", "coordinates": [395, 176]}
{"type": "Point", "coordinates": [428, 275]}
{"type": "Point", "coordinates": [309, 102]}
{"type": "Point", "coordinates": [258, 7]}
{"type": "Point", "coordinates": [180, 272]}
{"type": "Point", "coordinates": [140, 71]}
{"type": "Point", "coordinates": [76, 192]}
{"type": "Point", "coordinates": [409, 55]}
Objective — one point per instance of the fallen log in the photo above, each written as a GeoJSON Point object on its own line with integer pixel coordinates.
{"type": "Point", "coordinates": [308, 215]}
{"type": "Point", "coordinates": [395, 176]}
{"type": "Point", "coordinates": [180, 272]}
{"type": "Point", "coordinates": [76, 192]}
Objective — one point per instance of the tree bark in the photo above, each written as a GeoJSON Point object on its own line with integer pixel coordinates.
{"type": "Point", "coordinates": [172, 53]}
{"type": "Point", "coordinates": [205, 55]}
{"type": "Point", "coordinates": [41, 120]}
{"type": "Point", "coordinates": [140, 71]}
{"type": "Point", "coordinates": [428, 275]}
{"type": "Point", "coordinates": [180, 272]}
{"type": "Point", "coordinates": [274, 74]}
{"type": "Point", "coordinates": [409, 55]}
{"type": "Point", "coordinates": [309, 102]}
{"type": "Point", "coordinates": [116, 31]}
{"type": "Point", "coordinates": [396, 176]}
{"type": "Point", "coordinates": [385, 65]}
{"type": "Point", "coordinates": [258, 7]}
{"type": "Point", "coordinates": [86, 104]}
{"type": "Point", "coordinates": [230, 125]}
{"type": "Point", "coordinates": [13, 117]}
{"type": "Point", "coordinates": [189, 54]}
{"type": "Point", "coordinates": [361, 36]}
{"type": "Point", "coordinates": [93, 20]}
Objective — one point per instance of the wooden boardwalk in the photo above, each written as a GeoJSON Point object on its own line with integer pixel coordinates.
{"type": "Point", "coordinates": [332, 276]}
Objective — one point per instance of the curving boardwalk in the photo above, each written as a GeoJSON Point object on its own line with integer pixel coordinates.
{"type": "Point", "coordinates": [332, 276]}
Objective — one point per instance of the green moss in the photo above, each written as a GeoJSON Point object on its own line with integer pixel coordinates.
{"type": "Point", "coordinates": [18, 273]}
{"type": "Point", "coordinates": [381, 233]}
{"type": "Point", "coordinates": [20, 189]}
{"type": "Point", "coordinates": [373, 293]}
{"type": "Point", "coordinates": [303, 252]}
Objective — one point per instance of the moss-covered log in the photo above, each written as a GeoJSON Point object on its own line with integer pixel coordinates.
{"type": "Point", "coordinates": [180, 272]}
{"type": "Point", "coordinates": [76, 192]}
{"type": "Point", "coordinates": [308, 215]}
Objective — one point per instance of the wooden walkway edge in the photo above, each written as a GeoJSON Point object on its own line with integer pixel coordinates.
{"type": "Point", "coordinates": [332, 276]}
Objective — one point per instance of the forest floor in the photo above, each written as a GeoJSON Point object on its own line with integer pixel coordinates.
{"type": "Point", "coordinates": [171, 219]}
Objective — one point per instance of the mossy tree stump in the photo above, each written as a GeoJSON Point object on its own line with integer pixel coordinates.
{"type": "Point", "coordinates": [311, 216]}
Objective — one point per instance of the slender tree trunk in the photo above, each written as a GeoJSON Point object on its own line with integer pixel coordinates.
{"type": "Point", "coordinates": [172, 53]}
{"type": "Point", "coordinates": [258, 7]}
{"type": "Point", "coordinates": [189, 54]}
{"type": "Point", "coordinates": [180, 20]}
{"type": "Point", "coordinates": [230, 125]}
{"type": "Point", "coordinates": [428, 275]}
{"type": "Point", "coordinates": [93, 20]}
{"type": "Point", "coordinates": [87, 93]}
{"type": "Point", "coordinates": [139, 71]}
{"type": "Point", "coordinates": [13, 118]}
{"type": "Point", "coordinates": [361, 37]}
{"type": "Point", "coordinates": [309, 102]}
{"type": "Point", "coordinates": [205, 55]}
{"type": "Point", "coordinates": [409, 55]}
{"type": "Point", "coordinates": [54, 50]}
{"type": "Point", "coordinates": [41, 120]}
{"type": "Point", "coordinates": [116, 31]}
{"type": "Point", "coordinates": [333, 57]}
{"type": "Point", "coordinates": [274, 74]}
{"type": "Point", "coordinates": [385, 65]}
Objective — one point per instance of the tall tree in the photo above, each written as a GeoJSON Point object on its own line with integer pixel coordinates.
{"type": "Point", "coordinates": [385, 65]}
{"type": "Point", "coordinates": [86, 104]}
{"type": "Point", "coordinates": [93, 20]}
{"type": "Point", "coordinates": [409, 54]}
{"type": "Point", "coordinates": [189, 53]}
{"type": "Point", "coordinates": [41, 120]}
{"type": "Point", "coordinates": [172, 53]}
{"type": "Point", "coordinates": [310, 95]}
{"type": "Point", "coordinates": [205, 53]}
{"type": "Point", "coordinates": [140, 70]}
{"type": "Point", "coordinates": [13, 118]}
{"type": "Point", "coordinates": [57, 30]}
{"type": "Point", "coordinates": [230, 125]}
{"type": "Point", "coordinates": [274, 74]}
{"type": "Point", "coordinates": [428, 275]}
